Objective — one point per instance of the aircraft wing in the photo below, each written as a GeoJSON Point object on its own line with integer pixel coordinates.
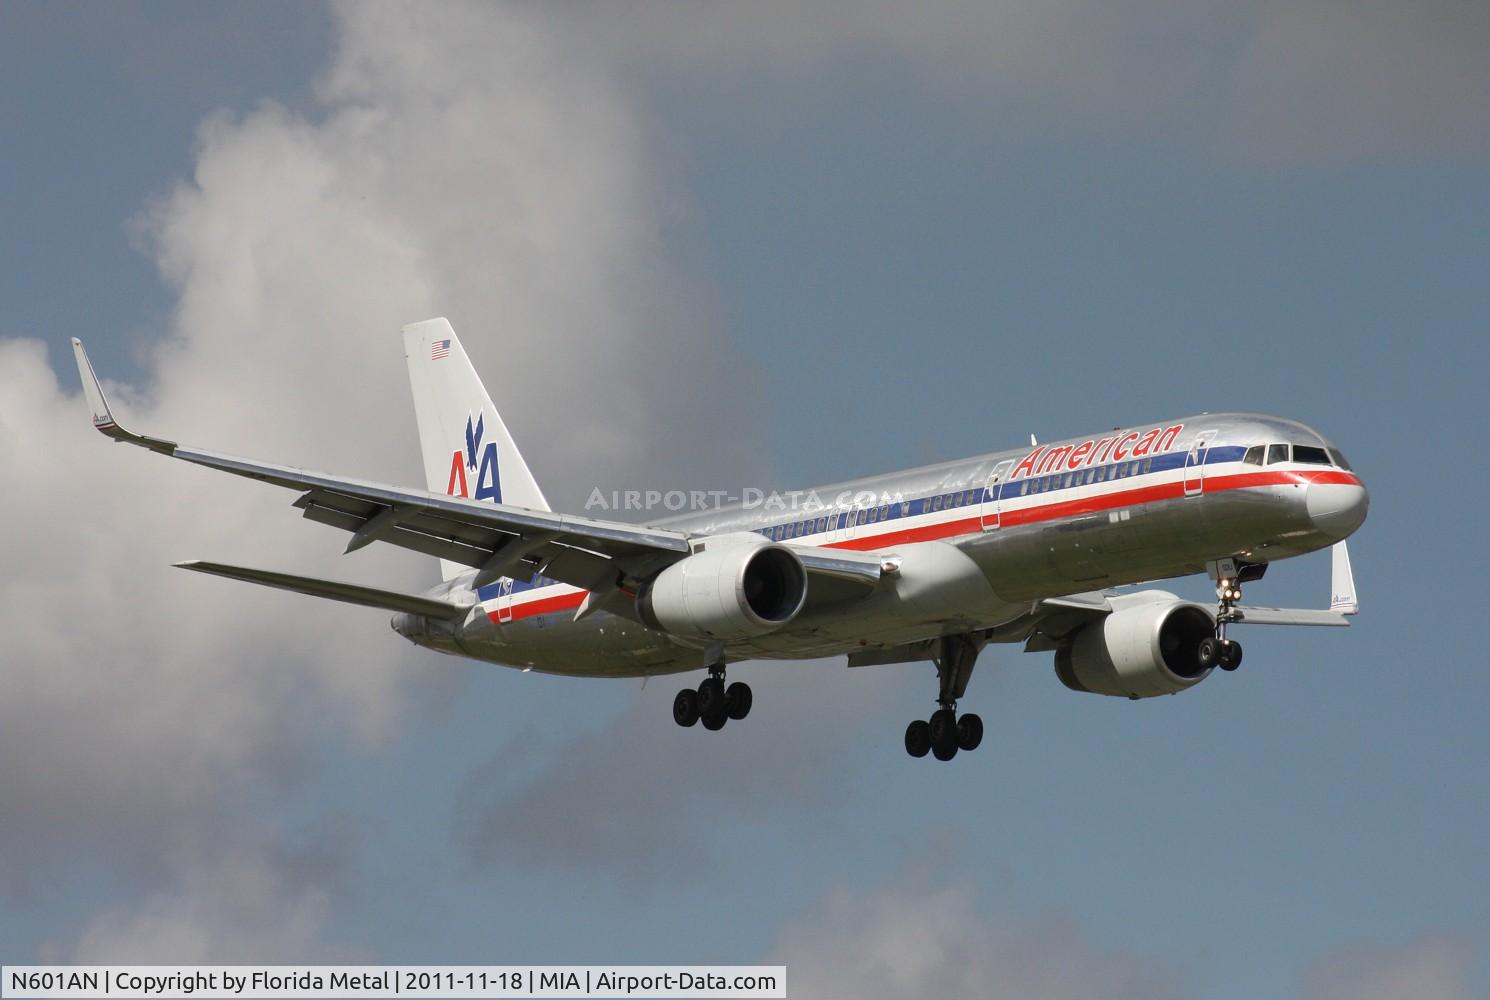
{"type": "Point", "coordinates": [497, 540]}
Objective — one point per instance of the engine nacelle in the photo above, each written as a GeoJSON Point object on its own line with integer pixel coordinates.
{"type": "Point", "coordinates": [737, 588]}
{"type": "Point", "coordinates": [1148, 648]}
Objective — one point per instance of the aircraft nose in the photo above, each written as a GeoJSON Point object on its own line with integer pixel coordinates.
{"type": "Point", "coordinates": [1336, 509]}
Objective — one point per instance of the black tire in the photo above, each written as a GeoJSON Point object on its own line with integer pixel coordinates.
{"type": "Point", "coordinates": [685, 708]}
{"type": "Point", "coordinates": [714, 721]}
{"type": "Point", "coordinates": [943, 752]}
{"type": "Point", "coordinates": [918, 738]}
{"type": "Point", "coordinates": [738, 698]}
{"type": "Point", "coordinates": [969, 732]}
{"type": "Point", "coordinates": [943, 726]}
{"type": "Point", "coordinates": [1231, 655]}
{"type": "Point", "coordinates": [1208, 653]}
{"type": "Point", "coordinates": [711, 697]}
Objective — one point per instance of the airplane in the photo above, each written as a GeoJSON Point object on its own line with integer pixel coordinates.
{"type": "Point", "coordinates": [929, 564]}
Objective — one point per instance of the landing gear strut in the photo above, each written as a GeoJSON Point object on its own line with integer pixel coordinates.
{"type": "Point", "coordinates": [1221, 651]}
{"type": "Point", "coordinates": [713, 703]}
{"type": "Point", "coordinates": [945, 732]}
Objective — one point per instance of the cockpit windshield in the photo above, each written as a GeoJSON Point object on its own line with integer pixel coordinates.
{"type": "Point", "coordinates": [1306, 454]}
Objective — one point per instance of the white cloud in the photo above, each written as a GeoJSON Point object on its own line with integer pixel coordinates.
{"type": "Point", "coordinates": [918, 941]}
{"type": "Point", "coordinates": [238, 906]}
{"type": "Point", "coordinates": [462, 163]}
{"type": "Point", "coordinates": [1437, 967]}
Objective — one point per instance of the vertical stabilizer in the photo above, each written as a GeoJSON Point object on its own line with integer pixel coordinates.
{"type": "Point", "coordinates": [467, 448]}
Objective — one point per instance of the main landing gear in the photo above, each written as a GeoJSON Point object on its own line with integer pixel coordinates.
{"type": "Point", "coordinates": [946, 732]}
{"type": "Point", "coordinates": [1221, 651]}
{"type": "Point", "coordinates": [713, 703]}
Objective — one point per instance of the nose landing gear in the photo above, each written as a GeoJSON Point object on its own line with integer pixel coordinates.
{"type": "Point", "coordinates": [1221, 651]}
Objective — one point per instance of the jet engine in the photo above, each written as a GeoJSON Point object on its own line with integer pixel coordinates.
{"type": "Point", "coordinates": [734, 589]}
{"type": "Point", "coordinates": [1147, 648]}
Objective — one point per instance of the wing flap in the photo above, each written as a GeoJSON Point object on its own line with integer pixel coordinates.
{"type": "Point", "coordinates": [348, 593]}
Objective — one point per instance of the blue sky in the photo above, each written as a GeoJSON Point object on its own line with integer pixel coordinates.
{"type": "Point", "coordinates": [737, 247]}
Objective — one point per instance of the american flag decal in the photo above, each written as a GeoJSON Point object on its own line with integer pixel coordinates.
{"type": "Point", "coordinates": [439, 350]}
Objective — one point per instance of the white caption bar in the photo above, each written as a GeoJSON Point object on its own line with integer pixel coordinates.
{"type": "Point", "coordinates": [164, 982]}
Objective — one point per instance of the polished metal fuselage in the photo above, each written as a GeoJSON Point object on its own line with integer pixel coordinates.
{"type": "Point", "coordinates": [975, 544]}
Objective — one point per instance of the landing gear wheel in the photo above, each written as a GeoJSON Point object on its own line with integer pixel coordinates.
{"type": "Point", "coordinates": [738, 699]}
{"type": "Point", "coordinates": [711, 698]}
{"type": "Point", "coordinates": [943, 726]}
{"type": "Point", "coordinates": [1209, 652]}
{"type": "Point", "coordinates": [918, 738]}
{"type": "Point", "coordinates": [969, 732]}
{"type": "Point", "coordinates": [714, 721]}
{"type": "Point", "coordinates": [685, 707]}
{"type": "Point", "coordinates": [1231, 654]}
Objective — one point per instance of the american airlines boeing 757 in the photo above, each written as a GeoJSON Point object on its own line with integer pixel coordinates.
{"type": "Point", "coordinates": [931, 564]}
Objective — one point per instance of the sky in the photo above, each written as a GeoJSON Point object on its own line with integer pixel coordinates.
{"type": "Point", "coordinates": [718, 247]}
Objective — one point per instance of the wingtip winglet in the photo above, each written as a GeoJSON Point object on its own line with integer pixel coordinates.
{"type": "Point", "coordinates": [98, 404]}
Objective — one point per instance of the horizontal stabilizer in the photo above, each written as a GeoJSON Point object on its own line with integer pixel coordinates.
{"type": "Point", "coordinates": [1288, 616]}
{"type": "Point", "coordinates": [350, 593]}
{"type": "Point", "coordinates": [1343, 600]}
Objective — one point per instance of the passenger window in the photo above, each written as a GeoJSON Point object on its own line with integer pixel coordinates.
{"type": "Point", "coordinates": [1253, 456]}
{"type": "Point", "coordinates": [1339, 459]}
{"type": "Point", "coordinates": [1277, 453]}
{"type": "Point", "coordinates": [1310, 455]}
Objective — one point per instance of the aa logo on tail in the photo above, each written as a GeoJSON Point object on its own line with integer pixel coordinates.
{"type": "Point", "coordinates": [488, 482]}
